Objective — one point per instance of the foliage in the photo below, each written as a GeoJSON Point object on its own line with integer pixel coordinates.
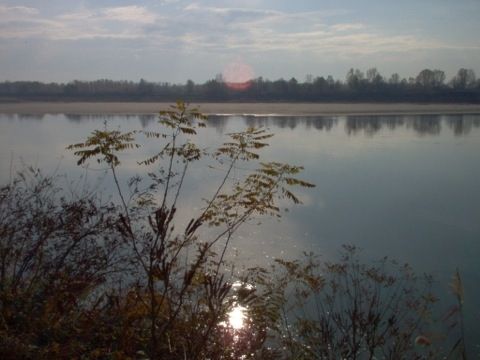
{"type": "Point", "coordinates": [454, 318]}
{"type": "Point", "coordinates": [180, 292]}
{"type": "Point", "coordinates": [55, 253]}
{"type": "Point", "coordinates": [348, 309]}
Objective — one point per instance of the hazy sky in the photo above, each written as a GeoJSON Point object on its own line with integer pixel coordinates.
{"type": "Point", "coordinates": [176, 40]}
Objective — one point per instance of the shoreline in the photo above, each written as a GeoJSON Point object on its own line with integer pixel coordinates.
{"type": "Point", "coordinates": [261, 109]}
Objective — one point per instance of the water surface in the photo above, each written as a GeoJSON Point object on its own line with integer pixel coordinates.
{"type": "Point", "coordinates": [406, 187]}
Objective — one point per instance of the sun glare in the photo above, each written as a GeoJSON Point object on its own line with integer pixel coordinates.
{"type": "Point", "coordinates": [236, 317]}
{"type": "Point", "coordinates": [238, 75]}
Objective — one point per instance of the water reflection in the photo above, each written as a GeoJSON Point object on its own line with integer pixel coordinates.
{"type": "Point", "coordinates": [462, 124]}
{"type": "Point", "coordinates": [321, 123]}
{"type": "Point", "coordinates": [426, 125]}
{"type": "Point", "coordinates": [13, 117]}
{"type": "Point", "coordinates": [369, 125]}
{"type": "Point", "coordinates": [144, 119]}
{"type": "Point", "coordinates": [421, 124]}
{"type": "Point", "coordinates": [237, 316]}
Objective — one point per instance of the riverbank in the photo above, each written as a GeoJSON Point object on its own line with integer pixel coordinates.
{"type": "Point", "coordinates": [305, 109]}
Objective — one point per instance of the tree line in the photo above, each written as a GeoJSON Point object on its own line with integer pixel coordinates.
{"type": "Point", "coordinates": [428, 86]}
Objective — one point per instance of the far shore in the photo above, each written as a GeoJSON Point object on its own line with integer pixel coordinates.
{"type": "Point", "coordinates": [285, 109]}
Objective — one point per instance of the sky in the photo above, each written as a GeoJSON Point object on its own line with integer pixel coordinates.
{"type": "Point", "coordinates": [176, 40]}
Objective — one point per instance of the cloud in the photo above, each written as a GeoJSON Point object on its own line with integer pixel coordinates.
{"type": "Point", "coordinates": [230, 11]}
{"type": "Point", "coordinates": [16, 11]}
{"type": "Point", "coordinates": [207, 29]}
{"type": "Point", "coordinates": [132, 13]}
{"type": "Point", "coordinates": [260, 31]}
{"type": "Point", "coordinates": [114, 22]}
{"type": "Point", "coordinates": [128, 14]}
{"type": "Point", "coordinates": [14, 18]}
{"type": "Point", "coordinates": [348, 27]}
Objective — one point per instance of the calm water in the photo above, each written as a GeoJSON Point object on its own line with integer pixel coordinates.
{"type": "Point", "coordinates": [407, 187]}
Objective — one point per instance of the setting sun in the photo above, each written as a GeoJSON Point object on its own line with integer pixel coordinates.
{"type": "Point", "coordinates": [238, 75]}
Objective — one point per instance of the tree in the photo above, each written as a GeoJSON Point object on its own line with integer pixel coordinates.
{"type": "Point", "coordinates": [438, 78]}
{"type": "Point", "coordinates": [465, 78]}
{"type": "Point", "coordinates": [173, 280]}
{"type": "Point", "coordinates": [215, 89]}
{"type": "Point", "coordinates": [394, 79]}
{"type": "Point", "coordinates": [374, 77]}
{"type": "Point", "coordinates": [145, 88]}
{"type": "Point", "coordinates": [425, 78]}
{"type": "Point", "coordinates": [330, 81]}
{"type": "Point", "coordinates": [190, 86]}
{"type": "Point", "coordinates": [355, 79]}
{"type": "Point", "coordinates": [430, 78]}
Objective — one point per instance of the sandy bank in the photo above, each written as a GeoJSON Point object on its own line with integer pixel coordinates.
{"type": "Point", "coordinates": [239, 108]}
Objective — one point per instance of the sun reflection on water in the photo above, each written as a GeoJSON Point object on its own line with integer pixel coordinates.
{"type": "Point", "coordinates": [240, 334]}
{"type": "Point", "coordinates": [237, 316]}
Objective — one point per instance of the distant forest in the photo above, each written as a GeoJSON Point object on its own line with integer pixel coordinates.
{"type": "Point", "coordinates": [358, 86]}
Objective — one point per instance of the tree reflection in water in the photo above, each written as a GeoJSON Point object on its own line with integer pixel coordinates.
{"type": "Point", "coordinates": [370, 125]}
{"type": "Point", "coordinates": [460, 124]}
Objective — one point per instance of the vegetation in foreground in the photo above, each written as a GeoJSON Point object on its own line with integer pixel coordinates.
{"type": "Point", "coordinates": [81, 278]}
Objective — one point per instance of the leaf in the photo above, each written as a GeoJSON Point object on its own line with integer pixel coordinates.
{"type": "Point", "coordinates": [187, 130]}
{"type": "Point", "coordinates": [104, 144]}
{"type": "Point", "coordinates": [457, 287]}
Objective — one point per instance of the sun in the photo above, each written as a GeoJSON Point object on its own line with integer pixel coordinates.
{"type": "Point", "coordinates": [238, 75]}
